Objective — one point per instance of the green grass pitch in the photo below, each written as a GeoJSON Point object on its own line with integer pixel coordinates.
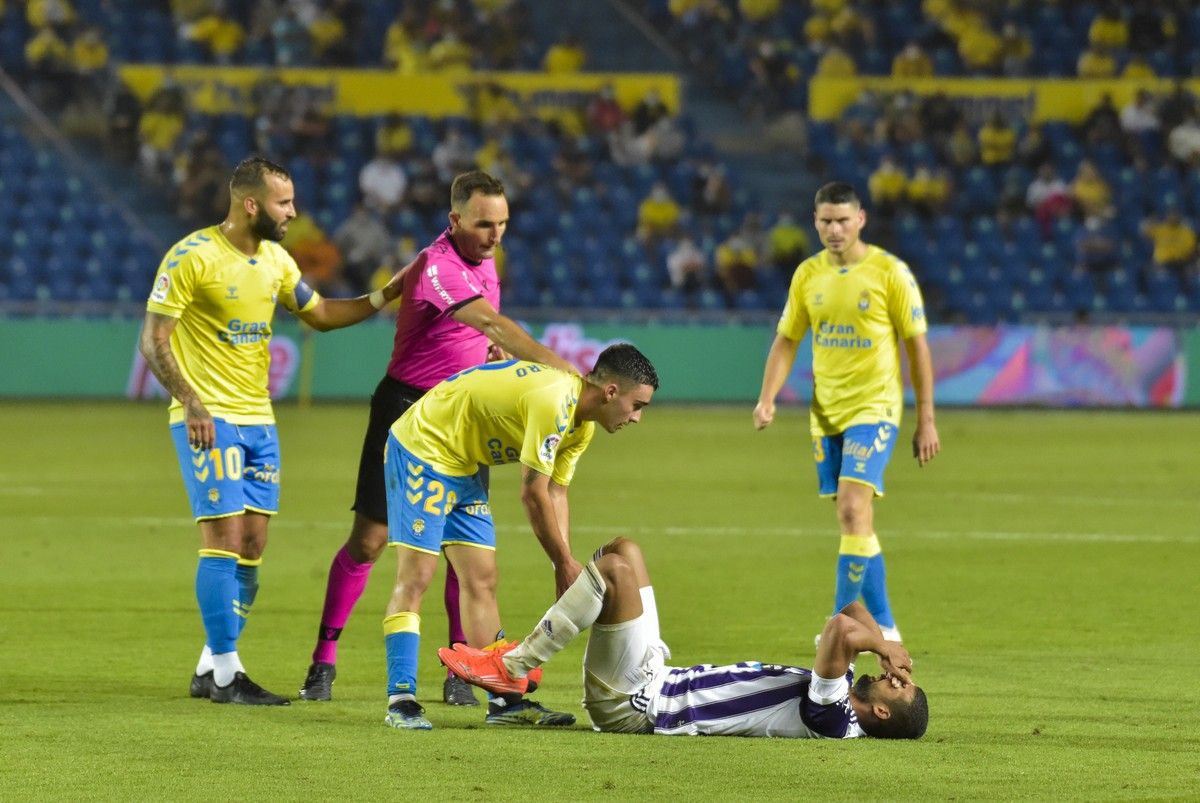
{"type": "Point", "coordinates": [1044, 570]}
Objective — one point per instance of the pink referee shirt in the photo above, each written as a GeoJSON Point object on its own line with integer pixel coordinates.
{"type": "Point", "coordinates": [430, 345]}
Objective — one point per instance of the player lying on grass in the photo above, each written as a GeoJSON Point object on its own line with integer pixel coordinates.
{"type": "Point", "coordinates": [628, 688]}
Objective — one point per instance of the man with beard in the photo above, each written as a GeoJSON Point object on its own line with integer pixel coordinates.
{"type": "Point", "coordinates": [628, 688]}
{"type": "Point", "coordinates": [206, 337]}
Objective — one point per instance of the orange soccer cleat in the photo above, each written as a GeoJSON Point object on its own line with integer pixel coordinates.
{"type": "Point", "coordinates": [486, 669]}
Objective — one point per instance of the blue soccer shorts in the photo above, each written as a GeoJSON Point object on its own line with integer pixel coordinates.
{"type": "Point", "coordinates": [860, 454]}
{"type": "Point", "coordinates": [240, 472]}
{"type": "Point", "coordinates": [427, 510]}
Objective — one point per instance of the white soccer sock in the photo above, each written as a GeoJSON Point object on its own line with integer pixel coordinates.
{"type": "Point", "coordinates": [650, 620]}
{"type": "Point", "coordinates": [575, 610]}
{"type": "Point", "coordinates": [225, 666]}
{"type": "Point", "coordinates": [205, 664]}
{"type": "Point", "coordinates": [891, 633]}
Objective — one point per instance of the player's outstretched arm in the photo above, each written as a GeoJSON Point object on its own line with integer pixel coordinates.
{"type": "Point", "coordinates": [336, 313]}
{"type": "Point", "coordinates": [926, 443]}
{"type": "Point", "coordinates": [775, 374]}
{"type": "Point", "coordinates": [155, 346]}
{"type": "Point", "coordinates": [507, 335]}
{"type": "Point", "coordinates": [543, 516]}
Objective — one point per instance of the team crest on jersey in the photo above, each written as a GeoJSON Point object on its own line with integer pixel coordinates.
{"type": "Point", "coordinates": [418, 526]}
{"type": "Point", "coordinates": [864, 301]}
{"type": "Point", "coordinates": [549, 447]}
{"type": "Point", "coordinates": [162, 285]}
{"type": "Point", "coordinates": [214, 495]}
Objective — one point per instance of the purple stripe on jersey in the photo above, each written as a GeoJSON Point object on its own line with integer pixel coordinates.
{"type": "Point", "coordinates": [733, 707]}
{"type": "Point", "coordinates": [707, 676]}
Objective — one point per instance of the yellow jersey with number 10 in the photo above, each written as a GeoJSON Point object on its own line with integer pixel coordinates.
{"type": "Point", "coordinates": [225, 302]}
{"type": "Point", "coordinates": [858, 315]}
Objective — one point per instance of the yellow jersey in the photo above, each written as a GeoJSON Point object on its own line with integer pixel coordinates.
{"type": "Point", "coordinates": [858, 315]}
{"type": "Point", "coordinates": [225, 301]}
{"type": "Point", "coordinates": [496, 413]}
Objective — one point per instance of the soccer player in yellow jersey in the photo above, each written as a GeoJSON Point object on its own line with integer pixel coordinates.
{"type": "Point", "coordinates": [206, 337]}
{"type": "Point", "coordinates": [502, 412]}
{"type": "Point", "coordinates": [860, 303]}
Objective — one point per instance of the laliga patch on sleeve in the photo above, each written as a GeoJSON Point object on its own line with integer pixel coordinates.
{"type": "Point", "coordinates": [162, 285]}
{"type": "Point", "coordinates": [549, 447]}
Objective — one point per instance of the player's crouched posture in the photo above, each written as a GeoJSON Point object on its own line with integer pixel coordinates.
{"type": "Point", "coordinates": [628, 688]}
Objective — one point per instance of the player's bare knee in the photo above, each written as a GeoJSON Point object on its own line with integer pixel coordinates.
{"type": "Point", "coordinates": [854, 514]}
{"type": "Point", "coordinates": [616, 570]}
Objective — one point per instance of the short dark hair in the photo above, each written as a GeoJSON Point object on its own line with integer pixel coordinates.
{"type": "Point", "coordinates": [837, 192]}
{"type": "Point", "coordinates": [624, 361]}
{"type": "Point", "coordinates": [467, 184]}
{"type": "Point", "coordinates": [250, 175]}
{"type": "Point", "coordinates": [908, 720]}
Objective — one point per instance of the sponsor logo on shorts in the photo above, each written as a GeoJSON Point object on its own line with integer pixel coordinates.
{"type": "Point", "coordinates": [418, 526]}
{"type": "Point", "coordinates": [549, 447]}
{"type": "Point", "coordinates": [162, 285]}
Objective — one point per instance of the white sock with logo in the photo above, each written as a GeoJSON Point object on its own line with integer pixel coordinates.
{"type": "Point", "coordinates": [576, 610]}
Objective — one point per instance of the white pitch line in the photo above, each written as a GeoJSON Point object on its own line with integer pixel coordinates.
{"type": "Point", "coordinates": [604, 530]}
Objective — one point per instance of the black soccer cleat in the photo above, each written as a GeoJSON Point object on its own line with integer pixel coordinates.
{"type": "Point", "coordinates": [201, 685]}
{"type": "Point", "coordinates": [456, 691]}
{"type": "Point", "coordinates": [318, 684]}
{"type": "Point", "coordinates": [244, 691]}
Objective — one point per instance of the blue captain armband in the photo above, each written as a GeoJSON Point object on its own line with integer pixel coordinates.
{"type": "Point", "coordinates": [303, 294]}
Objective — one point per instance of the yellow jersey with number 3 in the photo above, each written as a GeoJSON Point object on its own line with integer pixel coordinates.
{"type": "Point", "coordinates": [500, 412]}
{"type": "Point", "coordinates": [225, 302]}
{"type": "Point", "coordinates": [858, 315]}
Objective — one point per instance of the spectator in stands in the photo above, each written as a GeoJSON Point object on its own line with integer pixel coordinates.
{"type": "Point", "coordinates": [333, 31]}
{"type": "Point", "coordinates": [980, 49]}
{"type": "Point", "coordinates": [1174, 241]}
{"type": "Point", "coordinates": [1137, 68]}
{"type": "Point", "coordinates": [89, 61]}
{"type": "Point", "coordinates": [939, 117]}
{"type": "Point", "coordinates": [450, 54]}
{"type": "Point", "coordinates": [658, 215]}
{"type": "Point", "coordinates": [49, 61]}
{"type": "Point", "coordinates": [1140, 115]}
{"type": "Point", "coordinates": [383, 182]}
{"type": "Point", "coordinates": [1183, 143]}
{"type": "Point", "coordinates": [202, 180]}
{"type": "Point", "coordinates": [1016, 50]}
{"type": "Point", "coordinates": [403, 47]}
{"type": "Point", "coordinates": [1097, 245]}
{"type": "Point", "coordinates": [364, 243]}
{"type": "Point", "coordinates": [737, 265]}
{"type": "Point", "coordinates": [159, 131]}
{"type": "Point", "coordinates": [997, 141]}
{"type": "Point", "coordinates": [713, 194]}
{"type": "Point", "coordinates": [773, 76]}
{"type": "Point", "coordinates": [687, 266]}
{"type": "Point", "coordinates": [317, 257]}
{"type": "Point", "coordinates": [1145, 28]}
{"type": "Point", "coordinates": [216, 32]}
{"type": "Point", "coordinates": [453, 155]}
{"type": "Point", "coordinates": [122, 111]}
{"type": "Point", "coordinates": [57, 14]}
{"type": "Point", "coordinates": [1095, 63]}
{"type": "Point", "coordinates": [1048, 197]}
{"type": "Point", "coordinates": [604, 114]}
{"type": "Point", "coordinates": [836, 63]}
{"type": "Point", "coordinates": [1091, 192]}
{"type": "Point", "coordinates": [425, 189]}
{"type": "Point", "coordinates": [1109, 31]}
{"type": "Point", "coordinates": [1033, 150]}
{"type": "Point", "coordinates": [394, 136]}
{"type": "Point", "coordinates": [929, 190]}
{"type": "Point", "coordinates": [311, 131]}
{"type": "Point", "coordinates": [912, 62]}
{"type": "Point", "coordinates": [1176, 107]}
{"type": "Point", "coordinates": [627, 148]}
{"type": "Point", "coordinates": [887, 186]}
{"type": "Point", "coordinates": [649, 110]}
{"type": "Point", "coordinates": [758, 12]}
{"type": "Point", "coordinates": [1102, 126]}
{"type": "Point", "coordinates": [961, 148]}
{"type": "Point", "coordinates": [668, 140]}
{"type": "Point", "coordinates": [565, 56]}
{"type": "Point", "coordinates": [290, 40]}
{"type": "Point", "coordinates": [787, 244]}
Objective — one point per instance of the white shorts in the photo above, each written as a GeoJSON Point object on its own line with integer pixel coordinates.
{"type": "Point", "coordinates": [621, 663]}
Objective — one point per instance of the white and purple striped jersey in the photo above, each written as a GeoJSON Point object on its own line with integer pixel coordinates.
{"type": "Point", "coordinates": [750, 699]}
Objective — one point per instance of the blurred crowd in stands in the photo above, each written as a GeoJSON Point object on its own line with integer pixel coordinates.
{"type": "Point", "coordinates": [617, 206]}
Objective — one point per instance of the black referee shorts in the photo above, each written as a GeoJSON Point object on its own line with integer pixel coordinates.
{"type": "Point", "coordinates": [389, 401]}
